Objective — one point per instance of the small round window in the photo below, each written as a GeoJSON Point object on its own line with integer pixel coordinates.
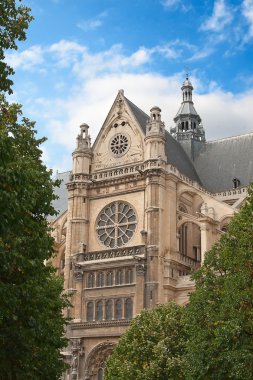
{"type": "Point", "coordinates": [119, 144]}
{"type": "Point", "coordinates": [116, 224]}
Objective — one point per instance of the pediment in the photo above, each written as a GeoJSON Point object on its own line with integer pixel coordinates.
{"type": "Point", "coordinates": [121, 139]}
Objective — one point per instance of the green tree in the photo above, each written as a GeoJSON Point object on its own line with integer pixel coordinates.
{"type": "Point", "coordinates": [14, 20]}
{"type": "Point", "coordinates": [31, 321]}
{"type": "Point", "coordinates": [152, 348]}
{"type": "Point", "coordinates": [220, 314]}
{"type": "Point", "coordinates": [31, 300]}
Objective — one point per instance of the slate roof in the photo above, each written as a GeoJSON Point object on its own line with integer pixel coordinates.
{"type": "Point", "coordinates": [186, 108]}
{"type": "Point", "coordinates": [217, 164]}
{"type": "Point", "coordinates": [140, 116]}
{"type": "Point", "coordinates": [222, 160]}
{"type": "Point", "coordinates": [61, 203]}
{"type": "Point", "coordinates": [175, 153]}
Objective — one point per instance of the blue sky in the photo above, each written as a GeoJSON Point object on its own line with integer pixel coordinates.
{"type": "Point", "coordinates": [79, 53]}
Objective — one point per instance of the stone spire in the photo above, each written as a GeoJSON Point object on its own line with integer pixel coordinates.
{"type": "Point", "coordinates": [83, 139]}
{"type": "Point", "coordinates": [82, 154]}
{"type": "Point", "coordinates": [188, 128]}
{"type": "Point", "coordinates": [155, 135]}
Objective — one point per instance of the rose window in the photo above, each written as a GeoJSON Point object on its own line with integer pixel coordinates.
{"type": "Point", "coordinates": [119, 145]}
{"type": "Point", "coordinates": [116, 224]}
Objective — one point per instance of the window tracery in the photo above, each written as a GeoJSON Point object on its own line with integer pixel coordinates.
{"type": "Point", "coordinates": [90, 311]}
{"type": "Point", "coordinates": [100, 279]}
{"type": "Point", "coordinates": [90, 280]}
{"type": "Point", "coordinates": [129, 308]}
{"type": "Point", "coordinates": [99, 311]}
{"type": "Point", "coordinates": [119, 277]}
{"type": "Point", "coordinates": [118, 309]}
{"type": "Point", "coordinates": [109, 278]}
{"type": "Point", "coordinates": [110, 309]}
{"type": "Point", "coordinates": [116, 224]}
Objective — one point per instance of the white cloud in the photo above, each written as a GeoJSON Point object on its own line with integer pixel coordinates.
{"type": "Point", "coordinates": [168, 51]}
{"type": "Point", "coordinates": [223, 114]}
{"type": "Point", "coordinates": [222, 16]}
{"type": "Point", "coordinates": [26, 59]}
{"type": "Point", "coordinates": [173, 4]}
{"type": "Point", "coordinates": [111, 60]}
{"type": "Point", "coordinates": [92, 23]}
{"type": "Point", "coordinates": [226, 114]}
{"type": "Point", "coordinates": [85, 63]}
{"type": "Point", "coordinates": [65, 52]}
{"type": "Point", "coordinates": [201, 54]}
{"type": "Point", "coordinates": [95, 81]}
{"type": "Point", "coordinates": [247, 11]}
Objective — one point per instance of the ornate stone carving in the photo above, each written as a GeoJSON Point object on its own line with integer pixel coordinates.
{"type": "Point", "coordinates": [78, 272]}
{"type": "Point", "coordinates": [110, 254]}
{"type": "Point", "coordinates": [140, 269]}
{"type": "Point", "coordinates": [76, 351]}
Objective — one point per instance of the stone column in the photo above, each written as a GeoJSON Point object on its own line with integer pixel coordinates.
{"type": "Point", "coordinates": [140, 280]}
{"type": "Point", "coordinates": [77, 351]}
{"type": "Point", "coordinates": [77, 299]}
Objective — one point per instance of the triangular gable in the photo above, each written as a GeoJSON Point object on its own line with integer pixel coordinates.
{"type": "Point", "coordinates": [121, 138]}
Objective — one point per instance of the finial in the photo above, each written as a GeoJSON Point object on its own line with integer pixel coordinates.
{"type": "Point", "coordinates": [186, 72]}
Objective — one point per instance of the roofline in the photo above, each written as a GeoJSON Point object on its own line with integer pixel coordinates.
{"type": "Point", "coordinates": [230, 138]}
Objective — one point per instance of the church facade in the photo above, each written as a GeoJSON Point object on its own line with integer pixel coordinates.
{"type": "Point", "coordinates": [138, 211]}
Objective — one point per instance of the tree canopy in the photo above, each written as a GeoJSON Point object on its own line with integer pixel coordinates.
{"type": "Point", "coordinates": [152, 348]}
{"type": "Point", "coordinates": [31, 300]}
{"type": "Point", "coordinates": [220, 313]}
{"type": "Point", "coordinates": [14, 21]}
{"type": "Point", "coordinates": [31, 321]}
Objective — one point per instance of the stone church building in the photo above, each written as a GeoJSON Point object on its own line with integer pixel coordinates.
{"type": "Point", "coordinates": [137, 213]}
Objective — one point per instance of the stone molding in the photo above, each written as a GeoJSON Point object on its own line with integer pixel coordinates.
{"type": "Point", "coordinates": [96, 324]}
{"type": "Point", "coordinates": [109, 254]}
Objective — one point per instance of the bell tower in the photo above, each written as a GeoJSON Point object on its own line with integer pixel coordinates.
{"type": "Point", "coordinates": [188, 129]}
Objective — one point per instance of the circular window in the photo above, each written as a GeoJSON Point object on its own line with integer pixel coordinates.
{"type": "Point", "coordinates": [116, 224]}
{"type": "Point", "coordinates": [119, 144]}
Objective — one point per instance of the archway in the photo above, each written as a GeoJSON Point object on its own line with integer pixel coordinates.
{"type": "Point", "coordinates": [190, 241]}
{"type": "Point", "coordinates": [95, 363]}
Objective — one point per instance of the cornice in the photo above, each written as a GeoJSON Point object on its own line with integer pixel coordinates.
{"type": "Point", "coordinates": [99, 324]}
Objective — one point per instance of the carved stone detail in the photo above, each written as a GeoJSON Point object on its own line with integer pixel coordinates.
{"type": "Point", "coordinates": [109, 254]}
{"type": "Point", "coordinates": [140, 269]}
{"type": "Point", "coordinates": [76, 351]}
{"type": "Point", "coordinates": [78, 272]}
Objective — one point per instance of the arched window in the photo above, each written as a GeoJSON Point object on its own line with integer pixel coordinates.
{"type": "Point", "coordinates": [90, 280]}
{"type": "Point", "coordinates": [99, 311]}
{"type": "Point", "coordinates": [129, 308]}
{"type": "Point", "coordinates": [183, 239]}
{"type": "Point", "coordinates": [109, 278]}
{"type": "Point", "coordinates": [118, 309]}
{"type": "Point", "coordinates": [129, 276]}
{"type": "Point", "coordinates": [100, 279]}
{"type": "Point", "coordinates": [119, 277]}
{"type": "Point", "coordinates": [90, 311]}
{"type": "Point", "coordinates": [186, 125]}
{"type": "Point", "coordinates": [108, 310]}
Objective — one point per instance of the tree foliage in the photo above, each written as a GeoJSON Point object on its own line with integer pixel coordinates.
{"type": "Point", "coordinates": [220, 314]}
{"type": "Point", "coordinates": [31, 321]}
{"type": "Point", "coordinates": [14, 21]}
{"type": "Point", "coordinates": [152, 348]}
{"type": "Point", "coordinates": [31, 300]}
